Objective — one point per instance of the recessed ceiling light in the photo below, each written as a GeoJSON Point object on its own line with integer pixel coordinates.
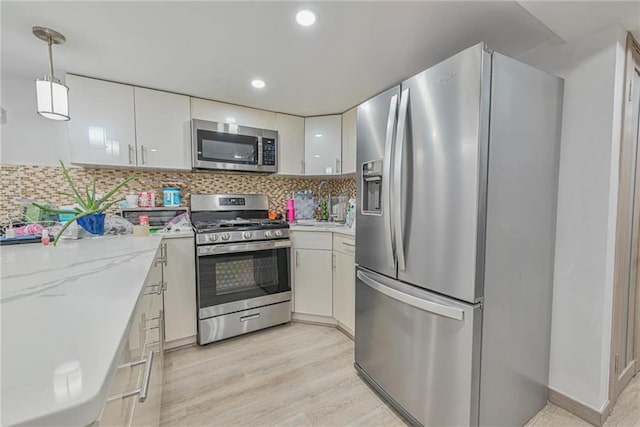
{"type": "Point", "coordinates": [231, 120]}
{"type": "Point", "coordinates": [317, 156]}
{"type": "Point", "coordinates": [318, 135]}
{"type": "Point", "coordinates": [306, 18]}
{"type": "Point", "coordinates": [258, 83]}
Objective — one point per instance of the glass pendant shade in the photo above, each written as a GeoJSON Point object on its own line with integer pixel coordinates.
{"type": "Point", "coordinates": [53, 98]}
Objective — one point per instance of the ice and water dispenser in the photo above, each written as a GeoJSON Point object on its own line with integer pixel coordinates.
{"type": "Point", "coordinates": [372, 187]}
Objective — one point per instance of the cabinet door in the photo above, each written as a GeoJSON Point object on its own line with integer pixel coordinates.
{"type": "Point", "coordinates": [102, 128]}
{"type": "Point", "coordinates": [344, 290]}
{"type": "Point", "coordinates": [290, 144]}
{"type": "Point", "coordinates": [228, 113]}
{"type": "Point", "coordinates": [323, 145]}
{"type": "Point", "coordinates": [163, 135]}
{"type": "Point", "coordinates": [180, 296]}
{"type": "Point", "coordinates": [349, 142]}
{"type": "Point", "coordinates": [313, 287]}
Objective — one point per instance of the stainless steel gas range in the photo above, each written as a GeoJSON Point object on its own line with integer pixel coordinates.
{"type": "Point", "coordinates": [242, 265]}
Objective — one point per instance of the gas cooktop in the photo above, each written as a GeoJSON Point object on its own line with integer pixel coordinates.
{"type": "Point", "coordinates": [226, 218]}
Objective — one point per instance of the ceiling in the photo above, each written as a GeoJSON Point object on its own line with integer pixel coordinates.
{"type": "Point", "coordinates": [214, 49]}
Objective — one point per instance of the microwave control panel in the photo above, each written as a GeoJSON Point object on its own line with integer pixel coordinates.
{"type": "Point", "coordinates": [268, 151]}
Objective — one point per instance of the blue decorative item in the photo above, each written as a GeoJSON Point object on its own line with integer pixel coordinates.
{"type": "Point", "coordinates": [93, 223]}
{"type": "Point", "coordinates": [171, 196]}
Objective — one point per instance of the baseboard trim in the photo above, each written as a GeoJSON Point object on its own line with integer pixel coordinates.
{"type": "Point", "coordinates": [345, 330]}
{"type": "Point", "coordinates": [312, 319]}
{"type": "Point", "coordinates": [579, 409]}
{"type": "Point", "coordinates": [179, 343]}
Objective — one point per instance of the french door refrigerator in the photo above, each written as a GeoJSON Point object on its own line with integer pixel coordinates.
{"type": "Point", "coordinates": [457, 181]}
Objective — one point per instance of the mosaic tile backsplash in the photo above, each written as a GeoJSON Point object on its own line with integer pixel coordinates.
{"type": "Point", "coordinates": [45, 183]}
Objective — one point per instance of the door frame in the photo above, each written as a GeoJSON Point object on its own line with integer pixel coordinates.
{"type": "Point", "coordinates": [619, 379]}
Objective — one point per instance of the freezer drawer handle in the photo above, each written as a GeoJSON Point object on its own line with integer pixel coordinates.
{"type": "Point", "coordinates": [431, 307]}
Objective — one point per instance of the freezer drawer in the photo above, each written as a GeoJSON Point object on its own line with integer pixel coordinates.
{"type": "Point", "coordinates": [421, 350]}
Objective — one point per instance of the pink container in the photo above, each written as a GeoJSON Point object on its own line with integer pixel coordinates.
{"type": "Point", "coordinates": [291, 210]}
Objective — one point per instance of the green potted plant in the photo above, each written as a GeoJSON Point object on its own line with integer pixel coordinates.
{"type": "Point", "coordinates": [90, 213]}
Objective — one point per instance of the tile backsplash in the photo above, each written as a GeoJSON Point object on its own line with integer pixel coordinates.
{"type": "Point", "coordinates": [45, 183]}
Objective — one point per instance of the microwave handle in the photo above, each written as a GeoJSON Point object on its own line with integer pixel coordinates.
{"type": "Point", "coordinates": [260, 161]}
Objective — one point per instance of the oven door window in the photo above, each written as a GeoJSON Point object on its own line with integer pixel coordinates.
{"type": "Point", "coordinates": [238, 276]}
{"type": "Point", "coordinates": [227, 148]}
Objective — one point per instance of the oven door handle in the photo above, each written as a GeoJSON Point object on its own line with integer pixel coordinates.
{"type": "Point", "coordinates": [242, 247]}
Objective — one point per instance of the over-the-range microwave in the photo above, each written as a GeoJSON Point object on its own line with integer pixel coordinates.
{"type": "Point", "coordinates": [231, 147]}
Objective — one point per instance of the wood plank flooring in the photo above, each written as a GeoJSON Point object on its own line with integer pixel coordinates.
{"type": "Point", "coordinates": [291, 375]}
{"type": "Point", "coordinates": [301, 375]}
{"type": "Point", "coordinates": [625, 413]}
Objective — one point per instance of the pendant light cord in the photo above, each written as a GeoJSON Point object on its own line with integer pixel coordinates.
{"type": "Point", "coordinates": [50, 58]}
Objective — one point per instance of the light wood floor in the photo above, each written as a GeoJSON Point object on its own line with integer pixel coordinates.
{"type": "Point", "coordinates": [626, 412]}
{"type": "Point", "coordinates": [300, 375]}
{"type": "Point", "coordinates": [291, 375]}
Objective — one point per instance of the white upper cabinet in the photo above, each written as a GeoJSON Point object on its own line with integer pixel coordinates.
{"type": "Point", "coordinates": [227, 113]}
{"type": "Point", "coordinates": [163, 135]}
{"type": "Point", "coordinates": [349, 142]}
{"type": "Point", "coordinates": [121, 125]}
{"type": "Point", "coordinates": [323, 145]}
{"type": "Point", "coordinates": [102, 125]}
{"type": "Point", "coordinates": [290, 144]}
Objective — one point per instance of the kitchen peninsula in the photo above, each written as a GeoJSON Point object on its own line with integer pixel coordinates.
{"type": "Point", "coordinates": [68, 316]}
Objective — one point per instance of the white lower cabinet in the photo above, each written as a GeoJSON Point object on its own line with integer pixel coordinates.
{"type": "Point", "coordinates": [180, 297]}
{"type": "Point", "coordinates": [312, 267]}
{"type": "Point", "coordinates": [344, 282]}
{"type": "Point", "coordinates": [135, 394]}
{"type": "Point", "coordinates": [312, 274]}
{"type": "Point", "coordinates": [324, 278]}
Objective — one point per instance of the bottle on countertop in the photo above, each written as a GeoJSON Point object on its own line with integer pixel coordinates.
{"type": "Point", "coordinates": [45, 239]}
{"type": "Point", "coordinates": [291, 210]}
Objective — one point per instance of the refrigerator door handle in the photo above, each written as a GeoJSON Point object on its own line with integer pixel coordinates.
{"type": "Point", "coordinates": [397, 179]}
{"type": "Point", "coordinates": [388, 152]}
{"type": "Point", "coordinates": [422, 304]}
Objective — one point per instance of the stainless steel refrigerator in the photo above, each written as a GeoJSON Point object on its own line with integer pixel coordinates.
{"type": "Point", "coordinates": [457, 184]}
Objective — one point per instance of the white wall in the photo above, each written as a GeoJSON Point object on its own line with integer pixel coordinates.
{"type": "Point", "coordinates": [587, 205]}
{"type": "Point", "coordinates": [28, 138]}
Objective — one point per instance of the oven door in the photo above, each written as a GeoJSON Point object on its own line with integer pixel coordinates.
{"type": "Point", "coordinates": [238, 276]}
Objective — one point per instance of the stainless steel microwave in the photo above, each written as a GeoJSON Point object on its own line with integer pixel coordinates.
{"type": "Point", "coordinates": [231, 147]}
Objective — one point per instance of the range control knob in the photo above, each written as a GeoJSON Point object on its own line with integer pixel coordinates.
{"type": "Point", "coordinates": [278, 233]}
{"type": "Point", "coordinates": [246, 235]}
{"type": "Point", "coordinates": [213, 237]}
{"type": "Point", "coordinates": [268, 233]}
{"type": "Point", "coordinates": [225, 236]}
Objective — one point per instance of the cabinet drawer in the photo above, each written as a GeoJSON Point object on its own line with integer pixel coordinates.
{"type": "Point", "coordinates": [311, 240]}
{"type": "Point", "coordinates": [344, 244]}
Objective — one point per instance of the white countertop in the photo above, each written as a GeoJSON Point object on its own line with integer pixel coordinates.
{"type": "Point", "coordinates": [65, 313]}
{"type": "Point", "coordinates": [187, 232]}
{"type": "Point", "coordinates": [323, 227]}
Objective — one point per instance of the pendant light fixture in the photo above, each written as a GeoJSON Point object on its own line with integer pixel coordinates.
{"type": "Point", "coordinates": [52, 96]}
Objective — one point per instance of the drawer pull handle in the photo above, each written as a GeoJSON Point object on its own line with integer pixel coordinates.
{"type": "Point", "coordinates": [143, 391]}
{"type": "Point", "coordinates": [249, 317]}
{"type": "Point", "coordinates": [353, 245]}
